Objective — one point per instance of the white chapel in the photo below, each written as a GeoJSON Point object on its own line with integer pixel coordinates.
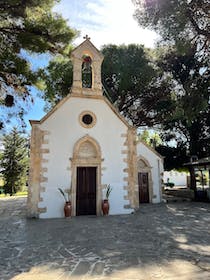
{"type": "Point", "coordinates": [83, 144]}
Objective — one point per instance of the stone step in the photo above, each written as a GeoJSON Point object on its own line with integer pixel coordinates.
{"type": "Point", "coordinates": [170, 198]}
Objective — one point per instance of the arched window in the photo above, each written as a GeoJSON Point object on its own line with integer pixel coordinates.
{"type": "Point", "coordinates": [86, 72]}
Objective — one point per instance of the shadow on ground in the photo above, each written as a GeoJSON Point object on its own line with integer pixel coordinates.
{"type": "Point", "coordinates": [165, 241]}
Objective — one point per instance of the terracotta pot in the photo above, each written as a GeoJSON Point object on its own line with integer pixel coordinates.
{"type": "Point", "coordinates": [67, 209]}
{"type": "Point", "coordinates": [105, 207]}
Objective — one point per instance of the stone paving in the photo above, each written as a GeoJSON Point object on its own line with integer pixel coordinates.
{"type": "Point", "coordinates": [165, 241]}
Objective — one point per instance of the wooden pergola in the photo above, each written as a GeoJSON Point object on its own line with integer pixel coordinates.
{"type": "Point", "coordinates": [200, 168]}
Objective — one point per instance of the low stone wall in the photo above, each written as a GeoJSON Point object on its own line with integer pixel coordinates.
{"type": "Point", "coordinates": [185, 193]}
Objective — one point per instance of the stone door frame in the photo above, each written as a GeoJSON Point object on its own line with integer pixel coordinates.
{"type": "Point", "coordinates": [143, 166]}
{"type": "Point", "coordinates": [77, 161]}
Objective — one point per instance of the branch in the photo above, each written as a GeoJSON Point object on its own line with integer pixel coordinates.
{"type": "Point", "coordinates": [200, 31]}
{"type": "Point", "coordinates": [17, 29]}
{"type": "Point", "coordinates": [5, 5]}
{"type": "Point", "coordinates": [11, 30]}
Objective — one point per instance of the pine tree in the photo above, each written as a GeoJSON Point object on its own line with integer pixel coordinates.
{"type": "Point", "coordinates": [28, 27]}
{"type": "Point", "coordinates": [14, 161]}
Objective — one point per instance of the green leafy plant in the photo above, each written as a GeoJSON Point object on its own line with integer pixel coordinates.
{"type": "Point", "coordinates": [65, 196]}
{"type": "Point", "coordinates": [108, 191]}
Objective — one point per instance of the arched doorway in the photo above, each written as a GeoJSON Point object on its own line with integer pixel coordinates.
{"type": "Point", "coordinates": [144, 181]}
{"type": "Point", "coordinates": [86, 177]}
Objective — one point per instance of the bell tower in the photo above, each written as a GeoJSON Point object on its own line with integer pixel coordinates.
{"type": "Point", "coordinates": [87, 62]}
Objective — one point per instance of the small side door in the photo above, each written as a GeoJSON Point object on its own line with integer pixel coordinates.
{"type": "Point", "coordinates": [143, 187]}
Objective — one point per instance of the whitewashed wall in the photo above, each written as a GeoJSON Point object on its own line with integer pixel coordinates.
{"type": "Point", "coordinates": [178, 178]}
{"type": "Point", "coordinates": [156, 163]}
{"type": "Point", "coordinates": [65, 129]}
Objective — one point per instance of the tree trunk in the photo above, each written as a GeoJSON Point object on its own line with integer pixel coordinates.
{"type": "Point", "coordinates": [192, 178]}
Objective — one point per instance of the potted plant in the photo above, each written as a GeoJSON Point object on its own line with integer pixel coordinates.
{"type": "Point", "coordinates": [105, 202]}
{"type": "Point", "coordinates": [67, 206]}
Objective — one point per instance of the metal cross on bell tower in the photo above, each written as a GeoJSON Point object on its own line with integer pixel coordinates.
{"type": "Point", "coordinates": [86, 37]}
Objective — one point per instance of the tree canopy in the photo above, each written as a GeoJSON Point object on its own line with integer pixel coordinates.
{"type": "Point", "coordinates": [183, 55]}
{"type": "Point", "coordinates": [189, 119]}
{"type": "Point", "coordinates": [57, 78]}
{"type": "Point", "coordinates": [28, 25]}
{"type": "Point", "coordinates": [152, 139]}
{"type": "Point", "coordinates": [178, 22]}
{"type": "Point", "coordinates": [127, 72]}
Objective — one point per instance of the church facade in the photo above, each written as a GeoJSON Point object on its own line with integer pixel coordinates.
{"type": "Point", "coordinates": [82, 145]}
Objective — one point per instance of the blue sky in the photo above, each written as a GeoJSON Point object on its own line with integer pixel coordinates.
{"type": "Point", "coordinates": [105, 21]}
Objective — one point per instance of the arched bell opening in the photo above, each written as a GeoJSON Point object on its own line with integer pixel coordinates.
{"type": "Point", "coordinates": [87, 73]}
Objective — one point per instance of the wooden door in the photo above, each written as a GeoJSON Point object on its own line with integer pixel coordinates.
{"type": "Point", "coordinates": [86, 191]}
{"type": "Point", "coordinates": [143, 187]}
